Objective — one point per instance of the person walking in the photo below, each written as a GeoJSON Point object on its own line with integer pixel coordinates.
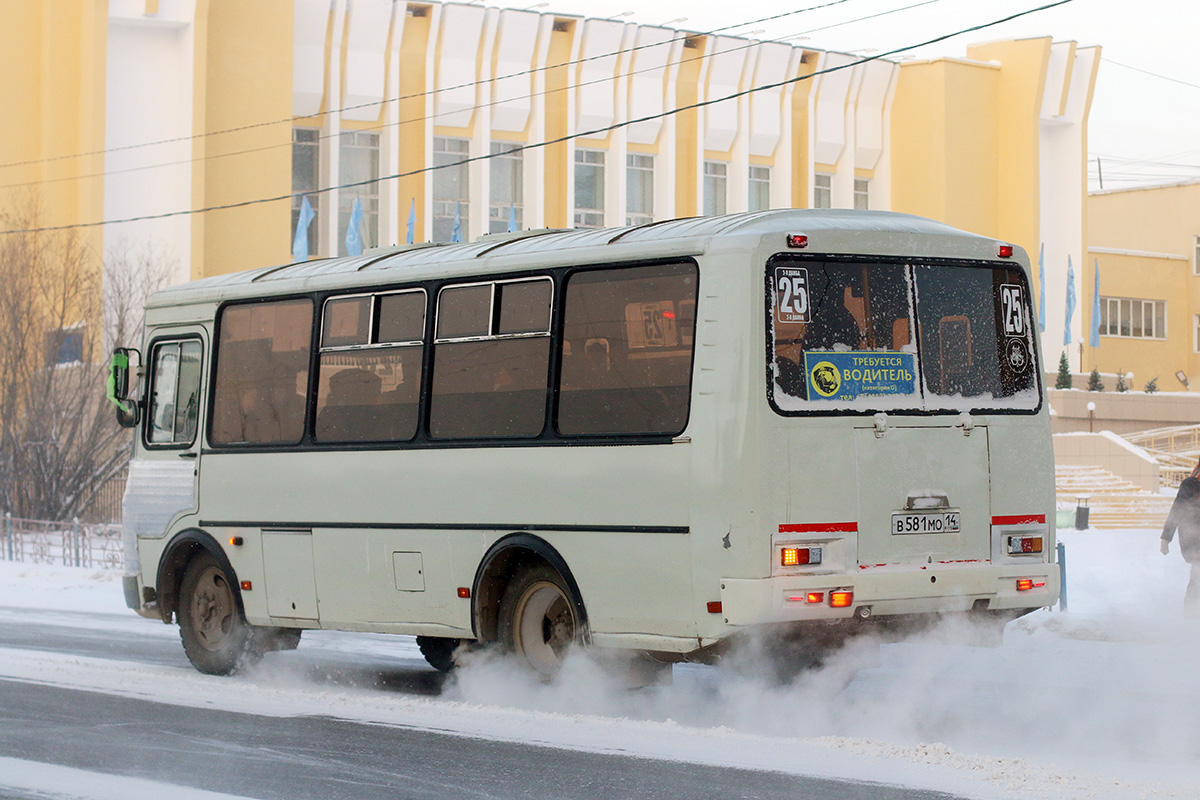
{"type": "Point", "coordinates": [1185, 518]}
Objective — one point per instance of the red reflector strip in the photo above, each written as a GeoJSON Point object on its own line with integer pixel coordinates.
{"type": "Point", "coordinates": [1020, 519]}
{"type": "Point", "coordinates": [821, 527]}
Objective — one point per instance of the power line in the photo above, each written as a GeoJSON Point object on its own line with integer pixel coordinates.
{"type": "Point", "coordinates": [1148, 72]}
{"type": "Point", "coordinates": [546, 143]}
{"type": "Point", "coordinates": [489, 104]}
{"type": "Point", "coordinates": [342, 109]}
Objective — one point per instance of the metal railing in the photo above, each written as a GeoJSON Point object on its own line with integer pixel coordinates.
{"type": "Point", "coordinates": [1176, 449]}
{"type": "Point", "coordinates": [69, 544]}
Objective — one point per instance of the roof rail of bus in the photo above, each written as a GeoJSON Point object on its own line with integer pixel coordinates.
{"type": "Point", "coordinates": [508, 237]}
{"type": "Point", "coordinates": [643, 227]}
{"type": "Point", "coordinates": [280, 268]}
{"type": "Point", "coordinates": [392, 249]}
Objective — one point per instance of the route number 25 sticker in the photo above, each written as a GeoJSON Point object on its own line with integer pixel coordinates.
{"type": "Point", "coordinates": [1013, 309]}
{"type": "Point", "coordinates": [791, 294]}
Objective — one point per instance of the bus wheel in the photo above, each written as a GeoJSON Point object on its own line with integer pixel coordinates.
{"type": "Point", "coordinates": [537, 620]}
{"type": "Point", "coordinates": [438, 652]}
{"type": "Point", "coordinates": [216, 637]}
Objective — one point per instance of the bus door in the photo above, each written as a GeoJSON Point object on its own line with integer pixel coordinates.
{"type": "Point", "coordinates": [164, 477]}
{"type": "Point", "coordinates": [923, 493]}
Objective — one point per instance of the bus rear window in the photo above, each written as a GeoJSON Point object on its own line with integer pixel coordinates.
{"type": "Point", "coordinates": [868, 337]}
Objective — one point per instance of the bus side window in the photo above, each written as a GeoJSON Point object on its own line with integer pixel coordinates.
{"type": "Point", "coordinates": [491, 359]}
{"type": "Point", "coordinates": [262, 373]}
{"type": "Point", "coordinates": [630, 368]}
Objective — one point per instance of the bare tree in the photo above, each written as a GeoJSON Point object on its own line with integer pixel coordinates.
{"type": "Point", "coordinates": [61, 312]}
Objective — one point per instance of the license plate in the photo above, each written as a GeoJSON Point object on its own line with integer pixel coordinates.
{"type": "Point", "coordinates": [940, 522]}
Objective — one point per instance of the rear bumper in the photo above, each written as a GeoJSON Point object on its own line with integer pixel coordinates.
{"type": "Point", "coordinates": [888, 591]}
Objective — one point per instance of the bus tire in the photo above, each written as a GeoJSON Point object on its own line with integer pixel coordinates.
{"type": "Point", "coordinates": [216, 637]}
{"type": "Point", "coordinates": [538, 620]}
{"type": "Point", "coordinates": [439, 652]}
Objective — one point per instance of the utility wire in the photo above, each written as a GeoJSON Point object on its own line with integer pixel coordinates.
{"type": "Point", "coordinates": [489, 104]}
{"type": "Point", "coordinates": [469, 84]}
{"type": "Point", "coordinates": [1148, 72]}
{"type": "Point", "coordinates": [546, 143]}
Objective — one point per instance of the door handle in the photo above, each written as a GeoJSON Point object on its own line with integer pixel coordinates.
{"type": "Point", "coordinates": [188, 454]}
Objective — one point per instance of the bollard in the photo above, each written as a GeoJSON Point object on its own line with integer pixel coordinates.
{"type": "Point", "coordinates": [75, 538]}
{"type": "Point", "coordinates": [1062, 576]}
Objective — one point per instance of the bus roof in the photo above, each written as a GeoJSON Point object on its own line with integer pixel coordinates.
{"type": "Point", "coordinates": [540, 249]}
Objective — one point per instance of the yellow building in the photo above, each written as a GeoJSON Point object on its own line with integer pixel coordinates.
{"type": "Point", "coordinates": [1146, 242]}
{"type": "Point", "coordinates": [205, 126]}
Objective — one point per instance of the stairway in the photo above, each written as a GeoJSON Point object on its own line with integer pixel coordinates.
{"type": "Point", "coordinates": [1114, 501]}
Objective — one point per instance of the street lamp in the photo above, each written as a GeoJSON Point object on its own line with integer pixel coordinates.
{"type": "Point", "coordinates": [1091, 417]}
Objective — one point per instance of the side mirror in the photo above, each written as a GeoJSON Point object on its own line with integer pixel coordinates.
{"type": "Point", "coordinates": [125, 361]}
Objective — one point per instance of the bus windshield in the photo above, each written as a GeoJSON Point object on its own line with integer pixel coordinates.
{"type": "Point", "coordinates": [867, 337]}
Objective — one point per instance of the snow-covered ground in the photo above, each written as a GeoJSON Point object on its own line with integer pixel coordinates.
{"type": "Point", "coordinates": [1099, 702]}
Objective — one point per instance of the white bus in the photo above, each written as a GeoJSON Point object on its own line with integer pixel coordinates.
{"type": "Point", "coordinates": [654, 439]}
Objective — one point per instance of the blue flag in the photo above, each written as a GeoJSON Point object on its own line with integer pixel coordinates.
{"type": "Point", "coordinates": [456, 231]}
{"type": "Point", "coordinates": [412, 221]}
{"type": "Point", "coordinates": [1070, 301]}
{"type": "Point", "coordinates": [300, 243]}
{"type": "Point", "coordinates": [512, 218]}
{"type": "Point", "coordinates": [1042, 289]}
{"type": "Point", "coordinates": [354, 241]}
{"type": "Point", "coordinates": [1094, 341]}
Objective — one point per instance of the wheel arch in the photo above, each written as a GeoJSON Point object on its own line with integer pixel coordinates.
{"type": "Point", "coordinates": [503, 560]}
{"type": "Point", "coordinates": [178, 553]}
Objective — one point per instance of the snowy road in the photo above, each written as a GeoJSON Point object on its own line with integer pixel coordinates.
{"type": "Point", "coordinates": [1101, 702]}
{"type": "Point", "coordinates": [320, 757]}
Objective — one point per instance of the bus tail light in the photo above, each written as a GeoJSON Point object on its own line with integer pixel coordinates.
{"type": "Point", "coordinates": [797, 240]}
{"type": "Point", "coordinates": [1019, 545]}
{"type": "Point", "coordinates": [1004, 250]}
{"type": "Point", "coordinates": [799, 556]}
{"type": "Point", "coordinates": [841, 599]}
{"type": "Point", "coordinates": [1029, 584]}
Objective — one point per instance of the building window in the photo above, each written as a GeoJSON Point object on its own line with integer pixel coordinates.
{"type": "Point", "coordinates": [65, 345]}
{"type": "Point", "coordinates": [714, 187]}
{"type": "Point", "coordinates": [639, 189]}
{"type": "Point", "coordinates": [358, 161]}
{"type": "Point", "coordinates": [1196, 256]}
{"type": "Point", "coordinates": [760, 188]}
{"type": "Point", "coordinates": [822, 190]}
{"type": "Point", "coordinates": [306, 160]}
{"type": "Point", "coordinates": [589, 188]}
{"type": "Point", "coordinates": [1196, 339]}
{"type": "Point", "coordinates": [862, 193]}
{"type": "Point", "coordinates": [1138, 319]}
{"type": "Point", "coordinates": [507, 188]}
{"type": "Point", "coordinates": [450, 187]}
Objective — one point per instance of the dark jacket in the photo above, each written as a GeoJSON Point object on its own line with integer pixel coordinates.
{"type": "Point", "coordinates": [1185, 516]}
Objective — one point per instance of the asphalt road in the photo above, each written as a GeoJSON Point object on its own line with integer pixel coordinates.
{"type": "Point", "coordinates": [295, 758]}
